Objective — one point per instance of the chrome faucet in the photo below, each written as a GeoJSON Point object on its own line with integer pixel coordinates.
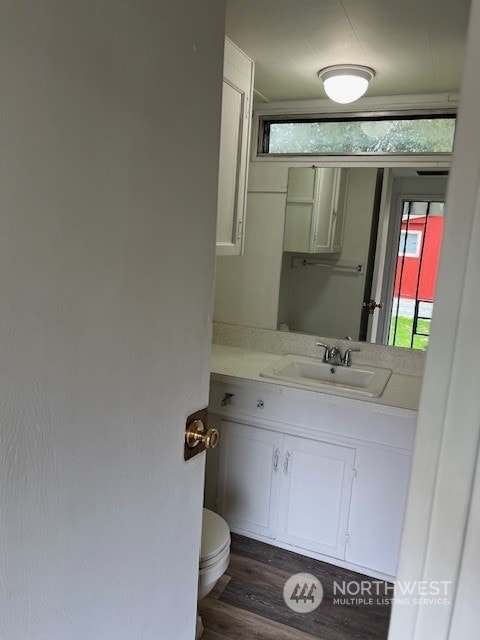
{"type": "Point", "coordinates": [335, 353]}
{"type": "Point", "coordinates": [330, 353]}
{"type": "Point", "coordinates": [326, 353]}
{"type": "Point", "coordinates": [347, 357]}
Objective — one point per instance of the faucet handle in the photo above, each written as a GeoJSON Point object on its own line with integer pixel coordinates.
{"type": "Point", "coordinates": [326, 349]}
{"type": "Point", "coordinates": [347, 358]}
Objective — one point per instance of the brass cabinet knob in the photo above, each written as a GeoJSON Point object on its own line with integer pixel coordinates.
{"type": "Point", "coordinates": [197, 433]}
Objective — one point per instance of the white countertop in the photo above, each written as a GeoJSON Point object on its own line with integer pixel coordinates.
{"type": "Point", "coordinates": [243, 366]}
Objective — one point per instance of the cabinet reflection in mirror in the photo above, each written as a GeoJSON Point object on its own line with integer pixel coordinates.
{"type": "Point", "coordinates": [337, 252]}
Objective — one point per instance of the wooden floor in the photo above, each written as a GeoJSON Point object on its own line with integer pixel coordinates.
{"type": "Point", "coordinates": [247, 603]}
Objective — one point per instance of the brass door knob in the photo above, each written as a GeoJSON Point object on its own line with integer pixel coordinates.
{"type": "Point", "coordinates": [197, 433]}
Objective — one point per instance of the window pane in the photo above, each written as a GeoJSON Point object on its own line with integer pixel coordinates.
{"type": "Point", "coordinates": [417, 208]}
{"type": "Point", "coordinates": [410, 248]}
{"type": "Point", "coordinates": [437, 208]}
{"type": "Point", "coordinates": [425, 135]}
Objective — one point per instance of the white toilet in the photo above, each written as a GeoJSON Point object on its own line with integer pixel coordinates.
{"type": "Point", "coordinates": [214, 552]}
{"type": "Point", "coordinates": [214, 556]}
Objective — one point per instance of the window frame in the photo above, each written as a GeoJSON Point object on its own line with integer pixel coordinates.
{"type": "Point", "coordinates": [265, 120]}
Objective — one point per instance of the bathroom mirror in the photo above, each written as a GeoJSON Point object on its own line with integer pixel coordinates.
{"type": "Point", "coordinates": [375, 281]}
{"type": "Point", "coordinates": [290, 42]}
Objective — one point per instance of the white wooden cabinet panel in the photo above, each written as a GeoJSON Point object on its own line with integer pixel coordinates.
{"type": "Point", "coordinates": [249, 477]}
{"type": "Point", "coordinates": [234, 149]}
{"type": "Point", "coordinates": [320, 417]}
{"type": "Point", "coordinates": [315, 495]}
{"type": "Point", "coordinates": [315, 209]}
{"type": "Point", "coordinates": [230, 142]}
{"type": "Point", "coordinates": [301, 184]}
{"type": "Point", "coordinates": [324, 209]}
{"type": "Point", "coordinates": [298, 227]}
{"type": "Point", "coordinates": [378, 508]}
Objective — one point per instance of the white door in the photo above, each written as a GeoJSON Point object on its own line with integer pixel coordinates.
{"type": "Point", "coordinates": [249, 477]}
{"type": "Point", "coordinates": [315, 495]}
{"type": "Point", "coordinates": [107, 222]}
{"type": "Point", "coordinates": [376, 320]}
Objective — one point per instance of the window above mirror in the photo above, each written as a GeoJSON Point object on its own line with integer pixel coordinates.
{"type": "Point", "coordinates": [366, 134]}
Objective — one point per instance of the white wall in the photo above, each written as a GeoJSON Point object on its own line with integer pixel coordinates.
{"type": "Point", "coordinates": [109, 118]}
{"type": "Point", "coordinates": [329, 303]}
{"type": "Point", "coordinates": [246, 286]}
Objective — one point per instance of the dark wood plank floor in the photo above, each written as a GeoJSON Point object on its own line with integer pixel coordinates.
{"type": "Point", "coordinates": [247, 603]}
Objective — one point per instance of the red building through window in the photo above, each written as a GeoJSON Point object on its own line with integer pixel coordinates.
{"type": "Point", "coordinates": [420, 267]}
{"type": "Point", "coordinates": [416, 271]}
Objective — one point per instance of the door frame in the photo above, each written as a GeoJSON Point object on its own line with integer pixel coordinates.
{"type": "Point", "coordinates": [384, 272]}
{"type": "Point", "coordinates": [442, 526]}
{"type": "Point", "coordinates": [383, 328]}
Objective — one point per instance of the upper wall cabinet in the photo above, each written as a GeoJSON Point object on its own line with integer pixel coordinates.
{"type": "Point", "coordinates": [315, 210]}
{"type": "Point", "coordinates": [234, 149]}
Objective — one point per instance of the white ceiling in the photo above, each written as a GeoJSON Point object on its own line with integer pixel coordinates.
{"type": "Point", "coordinates": [415, 46]}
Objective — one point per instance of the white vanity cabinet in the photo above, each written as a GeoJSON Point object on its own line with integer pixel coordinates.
{"type": "Point", "coordinates": [292, 489]}
{"type": "Point", "coordinates": [248, 477]}
{"type": "Point", "coordinates": [315, 495]}
{"type": "Point", "coordinates": [315, 211]}
{"type": "Point", "coordinates": [237, 94]}
{"type": "Point", "coordinates": [312, 475]}
{"type": "Point", "coordinates": [378, 506]}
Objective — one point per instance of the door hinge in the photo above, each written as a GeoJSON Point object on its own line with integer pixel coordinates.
{"type": "Point", "coordinates": [354, 474]}
{"type": "Point", "coordinates": [347, 538]}
{"type": "Point", "coordinates": [239, 229]}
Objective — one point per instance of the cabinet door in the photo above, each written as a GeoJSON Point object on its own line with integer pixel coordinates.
{"type": "Point", "coordinates": [301, 184]}
{"type": "Point", "coordinates": [234, 150]}
{"type": "Point", "coordinates": [315, 495]}
{"type": "Point", "coordinates": [323, 209]}
{"type": "Point", "coordinates": [314, 197]}
{"type": "Point", "coordinates": [249, 477]}
{"type": "Point", "coordinates": [298, 227]}
{"type": "Point", "coordinates": [299, 211]}
{"type": "Point", "coordinates": [378, 508]}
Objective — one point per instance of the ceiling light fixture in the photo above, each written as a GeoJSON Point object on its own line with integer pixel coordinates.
{"type": "Point", "coordinates": [345, 83]}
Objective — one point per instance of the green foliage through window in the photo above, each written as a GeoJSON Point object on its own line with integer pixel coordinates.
{"type": "Point", "coordinates": [395, 135]}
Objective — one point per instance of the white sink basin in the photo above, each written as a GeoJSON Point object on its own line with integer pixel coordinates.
{"type": "Point", "coordinates": [312, 373]}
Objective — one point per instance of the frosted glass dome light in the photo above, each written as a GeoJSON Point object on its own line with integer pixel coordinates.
{"type": "Point", "coordinates": [346, 83]}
